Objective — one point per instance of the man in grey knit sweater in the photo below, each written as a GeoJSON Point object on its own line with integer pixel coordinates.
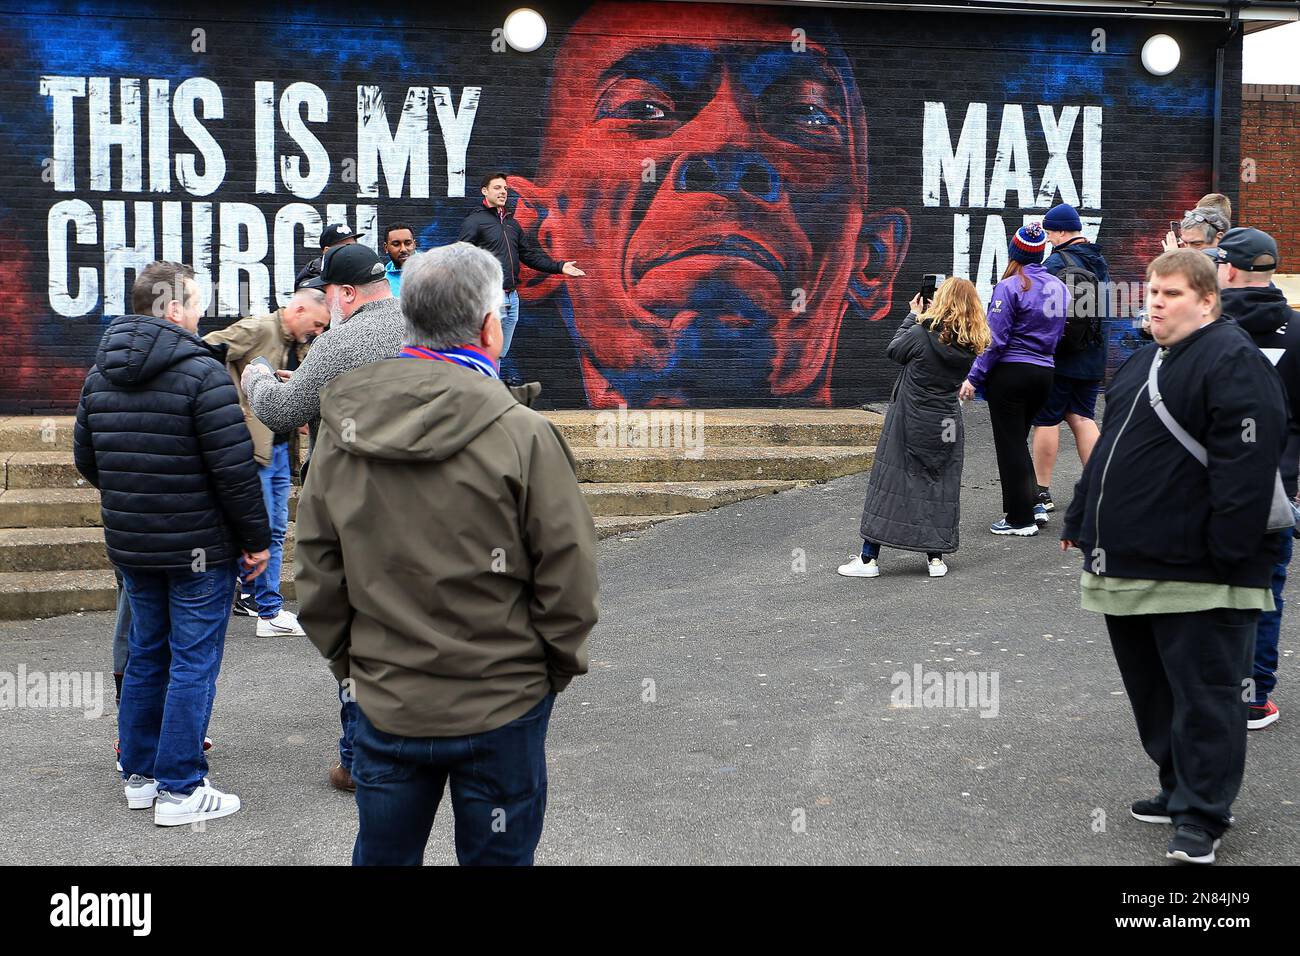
{"type": "Point", "coordinates": [365, 326]}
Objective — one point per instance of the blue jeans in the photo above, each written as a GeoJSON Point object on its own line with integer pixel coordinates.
{"type": "Point", "coordinates": [178, 634]}
{"type": "Point", "coordinates": [1270, 625]}
{"type": "Point", "coordinates": [498, 792]}
{"type": "Point", "coordinates": [509, 319]}
{"type": "Point", "coordinates": [275, 492]}
{"type": "Point", "coordinates": [122, 627]}
{"type": "Point", "coordinates": [348, 711]}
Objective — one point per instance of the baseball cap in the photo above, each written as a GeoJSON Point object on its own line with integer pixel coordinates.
{"type": "Point", "coordinates": [337, 232]}
{"type": "Point", "coordinates": [1241, 247]}
{"type": "Point", "coordinates": [353, 264]}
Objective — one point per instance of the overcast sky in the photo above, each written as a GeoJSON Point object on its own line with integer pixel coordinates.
{"type": "Point", "coordinates": [1273, 56]}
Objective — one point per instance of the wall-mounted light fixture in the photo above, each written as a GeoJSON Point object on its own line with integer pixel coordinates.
{"type": "Point", "coordinates": [525, 30]}
{"type": "Point", "coordinates": [1160, 54]}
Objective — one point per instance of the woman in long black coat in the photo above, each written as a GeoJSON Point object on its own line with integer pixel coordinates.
{"type": "Point", "coordinates": [914, 493]}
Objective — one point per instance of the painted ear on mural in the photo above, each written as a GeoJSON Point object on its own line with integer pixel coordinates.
{"type": "Point", "coordinates": [882, 247]}
{"type": "Point", "coordinates": [533, 213]}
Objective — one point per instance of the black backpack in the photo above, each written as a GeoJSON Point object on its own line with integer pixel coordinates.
{"type": "Point", "coordinates": [1083, 316]}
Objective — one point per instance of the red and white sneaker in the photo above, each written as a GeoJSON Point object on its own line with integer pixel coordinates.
{"type": "Point", "coordinates": [1261, 717]}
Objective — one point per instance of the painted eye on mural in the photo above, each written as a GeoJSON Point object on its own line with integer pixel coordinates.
{"type": "Point", "coordinates": [640, 110]}
{"type": "Point", "coordinates": [635, 100]}
{"type": "Point", "coordinates": [807, 107]}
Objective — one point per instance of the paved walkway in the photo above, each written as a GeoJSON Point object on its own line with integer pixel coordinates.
{"type": "Point", "coordinates": [772, 705]}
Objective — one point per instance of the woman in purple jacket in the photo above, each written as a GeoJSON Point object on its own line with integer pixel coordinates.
{"type": "Point", "coordinates": [1027, 318]}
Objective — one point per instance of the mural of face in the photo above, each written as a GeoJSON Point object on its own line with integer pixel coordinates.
{"type": "Point", "coordinates": [695, 176]}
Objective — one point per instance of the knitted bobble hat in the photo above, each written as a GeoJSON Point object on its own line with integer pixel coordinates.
{"type": "Point", "coordinates": [1028, 244]}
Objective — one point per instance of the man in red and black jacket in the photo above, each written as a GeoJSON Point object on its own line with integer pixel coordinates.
{"type": "Point", "coordinates": [490, 227]}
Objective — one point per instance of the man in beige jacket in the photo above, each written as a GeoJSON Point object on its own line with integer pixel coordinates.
{"type": "Point", "coordinates": [446, 570]}
{"type": "Point", "coordinates": [281, 338]}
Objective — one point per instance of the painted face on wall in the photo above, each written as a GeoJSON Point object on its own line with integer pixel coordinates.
{"type": "Point", "coordinates": [716, 191]}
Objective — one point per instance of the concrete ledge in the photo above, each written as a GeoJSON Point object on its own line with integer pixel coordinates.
{"type": "Point", "coordinates": [49, 508]}
{"type": "Point", "coordinates": [672, 497]}
{"type": "Point", "coordinates": [793, 463]}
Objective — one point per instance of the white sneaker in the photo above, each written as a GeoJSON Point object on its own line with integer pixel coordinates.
{"type": "Point", "coordinates": [205, 803]}
{"type": "Point", "coordinates": [937, 568]}
{"type": "Point", "coordinates": [857, 568]}
{"type": "Point", "coordinates": [284, 624]}
{"type": "Point", "coordinates": [140, 792]}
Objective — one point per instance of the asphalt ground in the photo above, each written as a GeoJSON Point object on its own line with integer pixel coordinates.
{"type": "Point", "coordinates": [738, 710]}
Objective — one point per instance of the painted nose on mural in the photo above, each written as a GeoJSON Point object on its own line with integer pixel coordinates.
{"type": "Point", "coordinates": [729, 172]}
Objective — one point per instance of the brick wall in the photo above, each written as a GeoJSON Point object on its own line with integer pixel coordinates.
{"type": "Point", "coordinates": [754, 191]}
{"type": "Point", "coordinates": [1270, 174]}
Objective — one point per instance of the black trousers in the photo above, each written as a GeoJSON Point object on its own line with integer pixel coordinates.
{"type": "Point", "coordinates": [1015, 392]}
{"type": "Point", "coordinates": [1186, 675]}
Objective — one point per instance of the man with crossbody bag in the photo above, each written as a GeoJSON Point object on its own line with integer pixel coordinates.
{"type": "Point", "coordinates": [1178, 555]}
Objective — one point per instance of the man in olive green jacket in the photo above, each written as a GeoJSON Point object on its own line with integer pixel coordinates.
{"type": "Point", "coordinates": [281, 338]}
{"type": "Point", "coordinates": [446, 570]}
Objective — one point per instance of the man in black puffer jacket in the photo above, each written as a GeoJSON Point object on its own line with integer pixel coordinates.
{"type": "Point", "coordinates": [160, 433]}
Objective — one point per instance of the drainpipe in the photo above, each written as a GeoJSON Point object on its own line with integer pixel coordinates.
{"type": "Point", "coordinates": [1233, 29]}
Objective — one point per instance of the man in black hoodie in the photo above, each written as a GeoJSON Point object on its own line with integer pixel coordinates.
{"type": "Point", "coordinates": [1176, 555]}
{"type": "Point", "coordinates": [1247, 259]}
{"type": "Point", "coordinates": [1079, 369]}
{"type": "Point", "coordinates": [160, 433]}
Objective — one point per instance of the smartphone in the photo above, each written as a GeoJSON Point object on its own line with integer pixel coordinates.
{"type": "Point", "coordinates": [929, 282]}
{"type": "Point", "coordinates": [1176, 228]}
{"type": "Point", "coordinates": [263, 360]}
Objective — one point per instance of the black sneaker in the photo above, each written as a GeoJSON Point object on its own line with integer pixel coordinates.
{"type": "Point", "coordinates": [245, 606]}
{"type": "Point", "coordinates": [1045, 499]}
{"type": "Point", "coordinates": [1192, 844]}
{"type": "Point", "coordinates": [1155, 810]}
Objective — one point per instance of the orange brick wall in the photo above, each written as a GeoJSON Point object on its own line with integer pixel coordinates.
{"type": "Point", "coordinates": [1270, 136]}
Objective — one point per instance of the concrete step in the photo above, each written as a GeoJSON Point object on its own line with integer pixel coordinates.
{"type": "Point", "coordinates": [709, 428]}
{"type": "Point", "coordinates": [52, 549]}
{"type": "Point", "coordinates": [36, 433]}
{"type": "Point", "coordinates": [41, 469]}
{"type": "Point", "coordinates": [628, 498]}
{"type": "Point", "coordinates": [609, 428]}
{"type": "Point", "coordinates": [607, 526]}
{"type": "Point", "coordinates": [793, 463]}
{"type": "Point", "coordinates": [30, 594]}
{"type": "Point", "coordinates": [49, 508]}
{"type": "Point", "coordinates": [70, 549]}
{"type": "Point", "coordinates": [65, 507]}
{"type": "Point", "coordinates": [31, 470]}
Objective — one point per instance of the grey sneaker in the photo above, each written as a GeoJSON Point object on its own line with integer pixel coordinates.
{"type": "Point", "coordinates": [140, 791]}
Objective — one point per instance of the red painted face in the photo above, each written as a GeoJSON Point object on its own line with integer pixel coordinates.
{"type": "Point", "coordinates": [714, 190]}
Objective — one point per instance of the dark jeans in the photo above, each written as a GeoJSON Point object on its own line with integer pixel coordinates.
{"type": "Point", "coordinates": [1270, 625]}
{"type": "Point", "coordinates": [178, 634]}
{"type": "Point", "coordinates": [1015, 392]}
{"type": "Point", "coordinates": [498, 792]}
{"type": "Point", "coordinates": [348, 711]}
{"type": "Point", "coordinates": [122, 627]}
{"type": "Point", "coordinates": [1184, 674]}
{"type": "Point", "coordinates": [871, 549]}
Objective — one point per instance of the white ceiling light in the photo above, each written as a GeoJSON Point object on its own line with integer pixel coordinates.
{"type": "Point", "coordinates": [525, 30]}
{"type": "Point", "coordinates": [1160, 54]}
